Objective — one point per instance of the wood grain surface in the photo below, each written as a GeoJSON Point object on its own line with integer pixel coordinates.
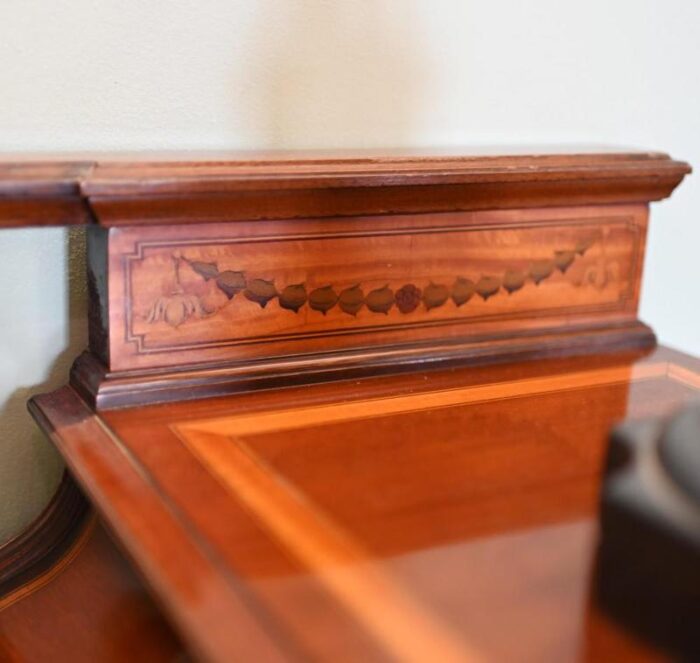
{"type": "Point", "coordinates": [338, 500]}
{"type": "Point", "coordinates": [458, 503]}
{"type": "Point", "coordinates": [134, 189]}
{"type": "Point", "coordinates": [90, 607]}
{"type": "Point", "coordinates": [240, 291]}
{"type": "Point", "coordinates": [239, 302]}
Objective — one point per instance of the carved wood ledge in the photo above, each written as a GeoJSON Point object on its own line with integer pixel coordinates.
{"type": "Point", "coordinates": [105, 390]}
{"type": "Point", "coordinates": [171, 188]}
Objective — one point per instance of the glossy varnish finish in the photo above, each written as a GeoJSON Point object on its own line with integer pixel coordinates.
{"type": "Point", "coordinates": [462, 503]}
{"type": "Point", "coordinates": [211, 272]}
{"type": "Point", "coordinates": [200, 294]}
{"type": "Point", "coordinates": [366, 293]}
{"type": "Point", "coordinates": [130, 189]}
{"type": "Point", "coordinates": [340, 501]}
{"type": "Point", "coordinates": [90, 607]}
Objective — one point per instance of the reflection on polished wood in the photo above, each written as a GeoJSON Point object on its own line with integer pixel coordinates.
{"type": "Point", "coordinates": [314, 461]}
{"type": "Point", "coordinates": [373, 519]}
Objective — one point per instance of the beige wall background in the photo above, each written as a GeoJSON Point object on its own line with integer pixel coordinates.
{"type": "Point", "coordinates": [124, 74]}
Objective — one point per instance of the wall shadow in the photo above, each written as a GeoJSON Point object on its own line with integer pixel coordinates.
{"type": "Point", "coordinates": [27, 453]}
{"type": "Point", "coordinates": [331, 74]}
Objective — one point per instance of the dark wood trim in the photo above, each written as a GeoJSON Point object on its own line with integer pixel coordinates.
{"type": "Point", "coordinates": [105, 390]}
{"type": "Point", "coordinates": [46, 540]}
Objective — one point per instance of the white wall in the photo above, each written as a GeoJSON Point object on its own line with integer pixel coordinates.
{"type": "Point", "coordinates": [95, 74]}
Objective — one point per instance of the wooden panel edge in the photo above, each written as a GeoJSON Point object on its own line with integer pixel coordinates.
{"type": "Point", "coordinates": [174, 564]}
{"type": "Point", "coordinates": [279, 204]}
{"type": "Point", "coordinates": [105, 390]}
{"type": "Point", "coordinates": [200, 188]}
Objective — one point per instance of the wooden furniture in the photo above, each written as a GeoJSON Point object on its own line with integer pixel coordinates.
{"type": "Point", "coordinates": [311, 416]}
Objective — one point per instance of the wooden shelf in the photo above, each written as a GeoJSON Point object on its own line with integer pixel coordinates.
{"type": "Point", "coordinates": [190, 187]}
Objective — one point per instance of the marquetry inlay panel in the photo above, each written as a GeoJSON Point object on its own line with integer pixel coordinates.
{"type": "Point", "coordinates": [249, 290]}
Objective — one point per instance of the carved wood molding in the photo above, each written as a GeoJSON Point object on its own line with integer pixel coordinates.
{"type": "Point", "coordinates": [128, 189]}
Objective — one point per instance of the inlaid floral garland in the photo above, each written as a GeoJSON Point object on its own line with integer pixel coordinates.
{"type": "Point", "coordinates": [179, 306]}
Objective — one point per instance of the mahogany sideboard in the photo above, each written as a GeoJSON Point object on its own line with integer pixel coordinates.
{"type": "Point", "coordinates": [339, 407]}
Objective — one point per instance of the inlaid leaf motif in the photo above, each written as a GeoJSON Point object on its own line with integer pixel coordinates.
{"type": "Point", "coordinates": [583, 245]}
{"type": "Point", "coordinates": [380, 300]}
{"type": "Point", "coordinates": [408, 297]}
{"type": "Point", "coordinates": [540, 270]}
{"type": "Point", "coordinates": [231, 283]}
{"type": "Point", "coordinates": [293, 297]}
{"type": "Point", "coordinates": [462, 290]}
{"type": "Point", "coordinates": [513, 280]}
{"type": "Point", "coordinates": [352, 299]}
{"type": "Point", "coordinates": [488, 286]}
{"type": "Point", "coordinates": [208, 270]}
{"type": "Point", "coordinates": [260, 291]}
{"type": "Point", "coordinates": [323, 299]}
{"type": "Point", "coordinates": [435, 295]}
{"type": "Point", "coordinates": [189, 299]}
{"type": "Point", "coordinates": [563, 260]}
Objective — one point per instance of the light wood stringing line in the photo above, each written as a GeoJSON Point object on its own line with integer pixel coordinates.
{"type": "Point", "coordinates": [265, 422]}
{"type": "Point", "coordinates": [398, 623]}
{"type": "Point", "coordinates": [374, 598]}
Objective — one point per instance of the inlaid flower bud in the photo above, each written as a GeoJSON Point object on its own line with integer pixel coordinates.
{"type": "Point", "coordinates": [462, 290]}
{"type": "Point", "coordinates": [351, 300]}
{"type": "Point", "coordinates": [208, 270]}
{"type": "Point", "coordinates": [513, 280]}
{"type": "Point", "coordinates": [260, 291]}
{"type": "Point", "coordinates": [563, 260]}
{"type": "Point", "coordinates": [408, 297]}
{"type": "Point", "coordinates": [231, 283]}
{"type": "Point", "coordinates": [293, 297]}
{"type": "Point", "coordinates": [435, 295]}
{"type": "Point", "coordinates": [323, 299]}
{"type": "Point", "coordinates": [380, 300]}
{"type": "Point", "coordinates": [540, 270]}
{"type": "Point", "coordinates": [488, 286]}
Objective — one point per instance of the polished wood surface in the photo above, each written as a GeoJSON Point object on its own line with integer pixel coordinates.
{"type": "Point", "coordinates": [178, 567]}
{"type": "Point", "coordinates": [90, 607]}
{"type": "Point", "coordinates": [39, 547]}
{"type": "Point", "coordinates": [199, 294]}
{"type": "Point", "coordinates": [354, 520]}
{"type": "Point", "coordinates": [335, 473]}
{"type": "Point", "coordinates": [364, 293]}
{"type": "Point", "coordinates": [344, 263]}
{"type": "Point", "coordinates": [42, 191]}
{"type": "Point", "coordinates": [129, 189]}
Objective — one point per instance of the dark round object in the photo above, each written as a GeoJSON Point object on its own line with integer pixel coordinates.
{"type": "Point", "coordinates": [680, 451]}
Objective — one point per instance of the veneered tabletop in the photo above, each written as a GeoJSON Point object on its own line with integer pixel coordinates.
{"type": "Point", "coordinates": [448, 514]}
